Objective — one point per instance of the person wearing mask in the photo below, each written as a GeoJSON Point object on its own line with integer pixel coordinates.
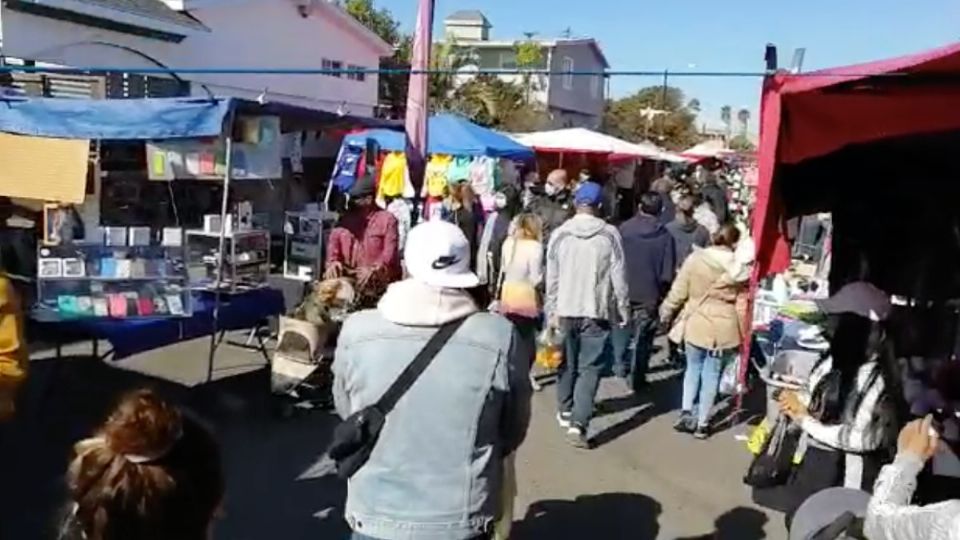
{"type": "Point", "coordinates": [437, 470]}
{"type": "Point", "coordinates": [14, 356]}
{"type": "Point", "coordinates": [507, 204]}
{"type": "Point", "coordinates": [890, 516]}
{"type": "Point", "coordinates": [664, 186]}
{"type": "Point", "coordinates": [586, 296]}
{"type": "Point", "coordinates": [149, 472]}
{"type": "Point", "coordinates": [706, 306]}
{"type": "Point", "coordinates": [716, 197]}
{"type": "Point", "coordinates": [650, 255]}
{"type": "Point", "coordinates": [464, 211]}
{"type": "Point", "coordinates": [686, 231]}
{"type": "Point", "coordinates": [364, 245]}
{"type": "Point", "coordinates": [553, 202]}
{"type": "Point", "coordinates": [704, 214]}
{"type": "Point", "coordinates": [847, 411]}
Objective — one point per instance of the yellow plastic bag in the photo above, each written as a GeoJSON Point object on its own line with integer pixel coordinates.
{"type": "Point", "coordinates": [549, 349]}
{"type": "Point", "coordinates": [758, 437]}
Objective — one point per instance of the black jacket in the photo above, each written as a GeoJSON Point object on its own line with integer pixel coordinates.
{"type": "Point", "coordinates": [687, 235]}
{"type": "Point", "coordinates": [553, 210]}
{"type": "Point", "coordinates": [717, 197]}
{"type": "Point", "coordinates": [650, 258]}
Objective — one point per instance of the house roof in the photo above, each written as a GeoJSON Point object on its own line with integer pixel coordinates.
{"type": "Point", "coordinates": [153, 9]}
{"type": "Point", "coordinates": [468, 15]}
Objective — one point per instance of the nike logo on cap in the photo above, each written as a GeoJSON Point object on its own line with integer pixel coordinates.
{"type": "Point", "coordinates": [445, 262]}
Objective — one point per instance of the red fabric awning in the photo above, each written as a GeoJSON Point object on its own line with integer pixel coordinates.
{"type": "Point", "coordinates": [814, 114]}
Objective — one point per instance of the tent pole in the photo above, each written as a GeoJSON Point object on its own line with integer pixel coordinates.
{"type": "Point", "coordinates": [560, 166]}
{"type": "Point", "coordinates": [222, 244]}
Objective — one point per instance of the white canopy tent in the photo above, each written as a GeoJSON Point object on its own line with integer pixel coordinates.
{"type": "Point", "coordinates": [708, 149]}
{"type": "Point", "coordinates": [580, 140]}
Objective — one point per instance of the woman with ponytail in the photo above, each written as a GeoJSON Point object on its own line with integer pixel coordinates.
{"type": "Point", "coordinates": [149, 473]}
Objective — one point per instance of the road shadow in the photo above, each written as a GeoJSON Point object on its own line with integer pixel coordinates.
{"type": "Point", "coordinates": [278, 485]}
{"type": "Point", "coordinates": [660, 397]}
{"type": "Point", "coordinates": [738, 524]}
{"type": "Point", "coordinates": [609, 516]}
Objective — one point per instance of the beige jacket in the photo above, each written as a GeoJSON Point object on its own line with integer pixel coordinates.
{"type": "Point", "coordinates": [708, 299]}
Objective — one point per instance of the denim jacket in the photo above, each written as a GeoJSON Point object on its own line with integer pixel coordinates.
{"type": "Point", "coordinates": [436, 470]}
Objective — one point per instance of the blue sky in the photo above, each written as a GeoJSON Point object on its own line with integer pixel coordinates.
{"type": "Point", "coordinates": [718, 36]}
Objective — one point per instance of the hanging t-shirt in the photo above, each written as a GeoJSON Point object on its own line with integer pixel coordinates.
{"type": "Point", "coordinates": [347, 169]}
{"type": "Point", "coordinates": [392, 175]}
{"type": "Point", "coordinates": [436, 175]}
{"type": "Point", "coordinates": [483, 175]}
{"type": "Point", "coordinates": [460, 169]}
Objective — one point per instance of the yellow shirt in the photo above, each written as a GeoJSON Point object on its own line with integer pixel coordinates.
{"type": "Point", "coordinates": [14, 355]}
{"type": "Point", "coordinates": [393, 174]}
{"type": "Point", "coordinates": [436, 175]}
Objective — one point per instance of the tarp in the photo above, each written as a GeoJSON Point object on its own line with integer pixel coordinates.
{"type": "Point", "coordinates": [585, 141]}
{"type": "Point", "coordinates": [114, 119]}
{"type": "Point", "coordinates": [451, 135]}
{"type": "Point", "coordinates": [706, 150]}
{"type": "Point", "coordinates": [831, 109]}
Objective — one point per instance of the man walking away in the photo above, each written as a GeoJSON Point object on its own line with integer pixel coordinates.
{"type": "Point", "coordinates": [650, 263]}
{"type": "Point", "coordinates": [685, 230]}
{"type": "Point", "coordinates": [716, 196]}
{"type": "Point", "coordinates": [664, 187]}
{"type": "Point", "coordinates": [586, 295]}
{"type": "Point", "coordinates": [437, 470]}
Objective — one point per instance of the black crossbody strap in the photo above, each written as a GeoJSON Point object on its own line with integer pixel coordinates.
{"type": "Point", "coordinates": [416, 368]}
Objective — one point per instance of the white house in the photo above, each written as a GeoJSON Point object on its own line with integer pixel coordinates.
{"type": "Point", "coordinates": [572, 100]}
{"type": "Point", "coordinates": [201, 34]}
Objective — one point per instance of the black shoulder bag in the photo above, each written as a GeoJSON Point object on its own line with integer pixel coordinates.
{"type": "Point", "coordinates": [355, 437]}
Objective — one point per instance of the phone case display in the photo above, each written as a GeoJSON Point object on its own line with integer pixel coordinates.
{"type": "Point", "coordinates": [303, 242]}
{"type": "Point", "coordinates": [91, 280]}
{"type": "Point", "coordinates": [246, 264]}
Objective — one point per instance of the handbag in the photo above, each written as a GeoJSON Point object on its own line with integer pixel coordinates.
{"type": "Point", "coordinates": [355, 437]}
{"type": "Point", "coordinates": [773, 466]}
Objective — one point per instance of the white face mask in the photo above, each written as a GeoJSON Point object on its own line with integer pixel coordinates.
{"type": "Point", "coordinates": [500, 201]}
{"type": "Point", "coordinates": [551, 189]}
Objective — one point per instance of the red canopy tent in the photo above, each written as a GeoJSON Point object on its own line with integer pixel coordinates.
{"type": "Point", "coordinates": [815, 114]}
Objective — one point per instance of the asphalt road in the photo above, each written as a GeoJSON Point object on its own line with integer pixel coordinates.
{"type": "Point", "coordinates": [642, 481]}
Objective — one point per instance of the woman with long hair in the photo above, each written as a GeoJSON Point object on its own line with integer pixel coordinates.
{"type": "Point", "coordinates": [708, 300]}
{"type": "Point", "coordinates": [149, 473]}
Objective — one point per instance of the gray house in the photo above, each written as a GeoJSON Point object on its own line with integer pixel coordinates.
{"type": "Point", "coordinates": [573, 100]}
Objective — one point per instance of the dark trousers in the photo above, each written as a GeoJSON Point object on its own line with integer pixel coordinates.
{"type": "Point", "coordinates": [586, 341]}
{"type": "Point", "coordinates": [633, 346]}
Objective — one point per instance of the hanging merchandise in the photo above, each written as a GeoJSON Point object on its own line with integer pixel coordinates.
{"type": "Point", "coordinates": [393, 174]}
{"type": "Point", "coordinates": [436, 175]}
{"type": "Point", "coordinates": [460, 169]}
{"type": "Point", "coordinates": [483, 175]}
{"type": "Point", "coordinates": [347, 169]}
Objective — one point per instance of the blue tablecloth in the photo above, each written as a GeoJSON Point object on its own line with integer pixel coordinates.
{"type": "Point", "coordinates": [133, 336]}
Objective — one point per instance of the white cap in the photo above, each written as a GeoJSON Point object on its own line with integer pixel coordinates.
{"type": "Point", "coordinates": [438, 254]}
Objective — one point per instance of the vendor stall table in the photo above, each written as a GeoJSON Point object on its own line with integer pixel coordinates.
{"type": "Point", "coordinates": [241, 311]}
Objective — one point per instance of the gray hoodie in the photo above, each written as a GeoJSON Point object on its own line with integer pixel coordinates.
{"type": "Point", "coordinates": [585, 271]}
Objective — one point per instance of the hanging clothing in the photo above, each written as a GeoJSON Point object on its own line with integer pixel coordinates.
{"type": "Point", "coordinates": [348, 168]}
{"type": "Point", "coordinates": [436, 177]}
{"type": "Point", "coordinates": [403, 211]}
{"type": "Point", "coordinates": [393, 175]}
{"type": "Point", "coordinates": [483, 175]}
{"type": "Point", "coordinates": [460, 169]}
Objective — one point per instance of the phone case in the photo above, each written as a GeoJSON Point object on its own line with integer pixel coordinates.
{"type": "Point", "coordinates": [100, 307]}
{"type": "Point", "coordinates": [175, 303]}
{"type": "Point", "coordinates": [85, 305]}
{"type": "Point", "coordinates": [145, 306]}
{"type": "Point", "coordinates": [118, 305]}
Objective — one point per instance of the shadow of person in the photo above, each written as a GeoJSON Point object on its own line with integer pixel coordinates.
{"type": "Point", "coordinates": [657, 399]}
{"type": "Point", "coordinates": [609, 516]}
{"type": "Point", "coordinates": [738, 524]}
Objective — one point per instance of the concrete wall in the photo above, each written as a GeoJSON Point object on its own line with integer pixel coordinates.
{"type": "Point", "coordinates": [258, 34]}
{"type": "Point", "coordinates": [585, 93]}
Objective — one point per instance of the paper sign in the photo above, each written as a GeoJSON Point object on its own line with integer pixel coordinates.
{"type": "Point", "coordinates": [206, 163]}
{"type": "Point", "coordinates": [160, 163]}
{"type": "Point", "coordinates": [192, 161]}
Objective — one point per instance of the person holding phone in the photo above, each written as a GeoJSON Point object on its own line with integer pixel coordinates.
{"type": "Point", "coordinates": [890, 516]}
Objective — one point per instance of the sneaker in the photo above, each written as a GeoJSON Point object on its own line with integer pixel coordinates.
{"type": "Point", "coordinates": [564, 419]}
{"type": "Point", "coordinates": [702, 433]}
{"type": "Point", "coordinates": [685, 424]}
{"type": "Point", "coordinates": [577, 437]}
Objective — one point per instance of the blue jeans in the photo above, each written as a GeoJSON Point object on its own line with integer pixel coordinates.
{"type": "Point", "coordinates": [633, 346]}
{"type": "Point", "coordinates": [586, 341]}
{"type": "Point", "coordinates": [702, 380]}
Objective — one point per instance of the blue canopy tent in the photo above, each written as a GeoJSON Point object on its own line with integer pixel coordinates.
{"type": "Point", "coordinates": [451, 135]}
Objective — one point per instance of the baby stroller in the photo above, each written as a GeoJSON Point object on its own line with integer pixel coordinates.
{"type": "Point", "coordinates": [301, 375]}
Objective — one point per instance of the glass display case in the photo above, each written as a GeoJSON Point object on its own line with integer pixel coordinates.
{"type": "Point", "coordinates": [246, 264]}
{"type": "Point", "coordinates": [94, 280]}
{"type": "Point", "coordinates": [303, 246]}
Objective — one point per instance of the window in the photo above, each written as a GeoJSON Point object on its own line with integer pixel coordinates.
{"type": "Point", "coordinates": [337, 65]}
{"type": "Point", "coordinates": [568, 73]}
{"type": "Point", "coordinates": [332, 65]}
{"type": "Point", "coordinates": [508, 60]}
{"type": "Point", "coordinates": [358, 76]}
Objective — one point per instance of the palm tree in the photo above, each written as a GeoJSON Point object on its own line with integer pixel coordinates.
{"type": "Point", "coordinates": [694, 106]}
{"type": "Point", "coordinates": [743, 116]}
{"type": "Point", "coordinates": [726, 116]}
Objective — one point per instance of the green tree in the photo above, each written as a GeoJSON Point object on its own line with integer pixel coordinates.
{"type": "Point", "coordinates": [726, 116]}
{"type": "Point", "coordinates": [652, 113]}
{"type": "Point", "coordinates": [529, 55]}
{"type": "Point", "coordinates": [743, 116]}
{"type": "Point", "coordinates": [741, 143]}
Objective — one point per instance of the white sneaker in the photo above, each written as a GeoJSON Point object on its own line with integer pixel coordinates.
{"type": "Point", "coordinates": [577, 437]}
{"type": "Point", "coordinates": [564, 419]}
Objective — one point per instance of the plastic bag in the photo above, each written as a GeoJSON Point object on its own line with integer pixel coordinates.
{"type": "Point", "coordinates": [775, 463]}
{"type": "Point", "coordinates": [730, 378]}
{"type": "Point", "coordinates": [549, 348]}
